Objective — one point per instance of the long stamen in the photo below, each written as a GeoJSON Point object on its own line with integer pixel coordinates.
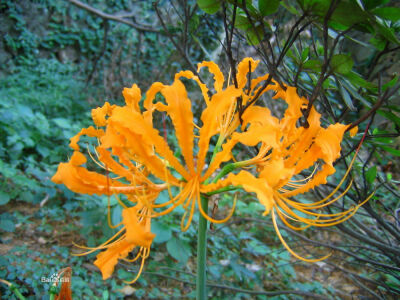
{"type": "Point", "coordinates": [214, 220]}
{"type": "Point", "coordinates": [140, 270]}
{"type": "Point", "coordinates": [191, 213]}
{"type": "Point", "coordinates": [97, 162]}
{"type": "Point", "coordinates": [318, 204]}
{"type": "Point", "coordinates": [288, 248]}
{"type": "Point", "coordinates": [308, 177]}
{"type": "Point", "coordinates": [105, 245]}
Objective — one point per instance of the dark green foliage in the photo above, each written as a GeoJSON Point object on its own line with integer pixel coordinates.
{"type": "Point", "coordinates": [40, 109]}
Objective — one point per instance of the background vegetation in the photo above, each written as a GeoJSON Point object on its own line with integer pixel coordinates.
{"type": "Point", "coordinates": [59, 59]}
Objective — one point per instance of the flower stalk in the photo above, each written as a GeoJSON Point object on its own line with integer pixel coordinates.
{"type": "Point", "coordinates": [201, 287]}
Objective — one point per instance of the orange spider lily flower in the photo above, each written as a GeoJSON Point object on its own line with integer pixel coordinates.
{"type": "Point", "coordinates": [132, 149]}
{"type": "Point", "coordinates": [287, 150]}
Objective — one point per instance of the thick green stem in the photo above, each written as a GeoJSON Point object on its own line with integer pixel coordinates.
{"type": "Point", "coordinates": [201, 288]}
{"type": "Point", "coordinates": [222, 190]}
{"type": "Point", "coordinates": [17, 293]}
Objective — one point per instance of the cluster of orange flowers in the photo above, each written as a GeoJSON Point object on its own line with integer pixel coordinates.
{"type": "Point", "coordinates": [139, 163]}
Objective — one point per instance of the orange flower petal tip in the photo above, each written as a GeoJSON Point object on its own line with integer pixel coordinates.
{"type": "Point", "coordinates": [353, 131]}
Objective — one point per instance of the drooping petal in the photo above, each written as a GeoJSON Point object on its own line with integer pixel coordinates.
{"type": "Point", "coordinates": [136, 231]}
{"type": "Point", "coordinates": [256, 185]}
{"type": "Point", "coordinates": [80, 180]}
{"type": "Point", "coordinates": [107, 260]}
{"type": "Point", "coordinates": [275, 172]}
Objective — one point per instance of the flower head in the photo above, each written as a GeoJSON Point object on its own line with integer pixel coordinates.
{"type": "Point", "coordinates": [139, 163]}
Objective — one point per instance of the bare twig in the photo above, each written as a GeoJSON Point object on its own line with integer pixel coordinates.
{"type": "Point", "coordinates": [121, 18]}
{"type": "Point", "coordinates": [174, 42]}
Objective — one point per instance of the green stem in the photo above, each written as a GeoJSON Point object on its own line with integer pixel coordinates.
{"type": "Point", "coordinates": [201, 289]}
{"type": "Point", "coordinates": [224, 189]}
{"type": "Point", "coordinates": [17, 293]}
{"type": "Point", "coordinates": [53, 292]}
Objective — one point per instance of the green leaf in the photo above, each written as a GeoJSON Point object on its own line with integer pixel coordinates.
{"type": "Point", "coordinates": [209, 6]}
{"type": "Point", "coordinates": [387, 32]}
{"type": "Point", "coordinates": [254, 35]}
{"type": "Point", "coordinates": [390, 150]}
{"type": "Point", "coordinates": [63, 123]}
{"type": "Point", "coordinates": [388, 13]}
{"type": "Point", "coordinates": [371, 4]}
{"type": "Point", "coordinates": [268, 7]}
{"type": "Point", "coordinates": [304, 54]}
{"type": "Point", "coordinates": [179, 250]}
{"type": "Point", "coordinates": [346, 97]}
{"type": "Point", "coordinates": [242, 22]}
{"type": "Point", "coordinates": [342, 63]}
{"type": "Point", "coordinates": [4, 198]}
{"type": "Point", "coordinates": [370, 175]}
{"type": "Point", "coordinates": [290, 8]}
{"type": "Point", "coordinates": [116, 214]}
{"type": "Point", "coordinates": [312, 64]}
{"type": "Point", "coordinates": [7, 225]}
{"type": "Point", "coordinates": [391, 83]}
{"type": "Point", "coordinates": [163, 232]}
{"type": "Point", "coordinates": [357, 80]}
{"type": "Point", "coordinates": [391, 116]}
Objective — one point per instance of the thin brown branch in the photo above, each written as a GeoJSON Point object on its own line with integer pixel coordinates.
{"type": "Point", "coordinates": [173, 41]}
{"type": "Point", "coordinates": [120, 17]}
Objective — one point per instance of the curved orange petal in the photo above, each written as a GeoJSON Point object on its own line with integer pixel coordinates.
{"type": "Point", "coordinates": [275, 172]}
{"type": "Point", "coordinates": [258, 115]}
{"type": "Point", "coordinates": [132, 97]}
{"type": "Point", "coordinates": [259, 186]}
{"type": "Point", "coordinates": [203, 87]}
{"type": "Point", "coordinates": [90, 131]}
{"type": "Point", "coordinates": [219, 104]}
{"type": "Point", "coordinates": [141, 138]}
{"type": "Point", "coordinates": [80, 180]}
{"type": "Point", "coordinates": [99, 114]}
{"type": "Point", "coordinates": [295, 104]}
{"type": "Point", "coordinates": [246, 65]}
{"type": "Point", "coordinates": [213, 69]}
{"type": "Point", "coordinates": [107, 260]}
{"type": "Point", "coordinates": [180, 111]}
{"type": "Point", "coordinates": [136, 231]}
{"type": "Point", "coordinates": [148, 101]}
{"type": "Point", "coordinates": [319, 178]}
{"type": "Point", "coordinates": [329, 141]}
